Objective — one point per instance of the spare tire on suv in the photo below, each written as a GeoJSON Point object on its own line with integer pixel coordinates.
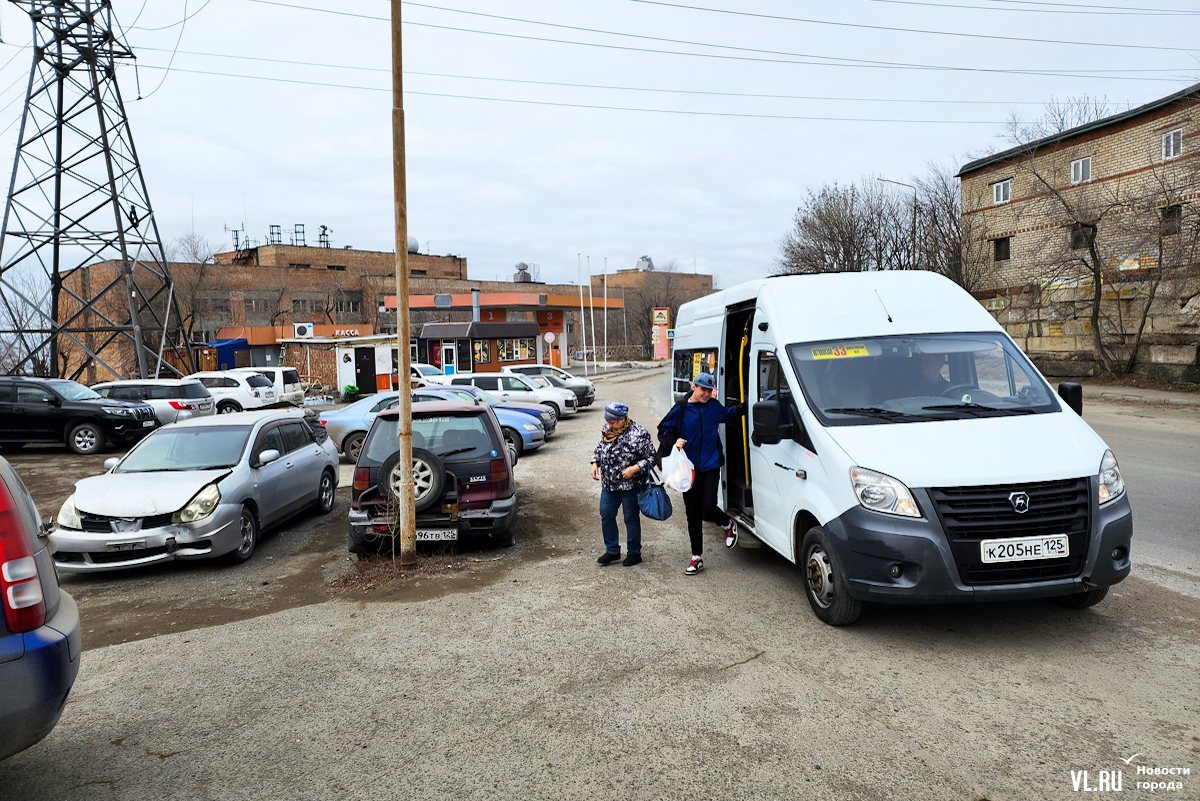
{"type": "Point", "coordinates": [429, 479]}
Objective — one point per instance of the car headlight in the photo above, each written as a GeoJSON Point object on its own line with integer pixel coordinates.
{"type": "Point", "coordinates": [546, 417]}
{"type": "Point", "coordinates": [199, 507]}
{"type": "Point", "coordinates": [68, 515]}
{"type": "Point", "coordinates": [881, 493]}
{"type": "Point", "coordinates": [531, 427]}
{"type": "Point", "coordinates": [117, 411]}
{"type": "Point", "coordinates": [1111, 484]}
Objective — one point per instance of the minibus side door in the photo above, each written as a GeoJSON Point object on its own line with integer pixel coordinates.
{"type": "Point", "coordinates": [772, 467]}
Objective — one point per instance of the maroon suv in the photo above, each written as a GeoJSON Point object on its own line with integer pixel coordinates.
{"type": "Point", "coordinates": [462, 478]}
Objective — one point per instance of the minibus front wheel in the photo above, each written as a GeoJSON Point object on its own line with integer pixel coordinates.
{"type": "Point", "coordinates": [825, 580]}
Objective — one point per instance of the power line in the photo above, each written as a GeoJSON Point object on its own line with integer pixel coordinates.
{"type": "Point", "coordinates": [134, 26]}
{"type": "Point", "coordinates": [628, 48]}
{"type": "Point", "coordinates": [495, 79]}
{"type": "Point", "coordinates": [1113, 11]}
{"type": "Point", "coordinates": [1086, 5]}
{"type": "Point", "coordinates": [996, 37]}
{"type": "Point", "coordinates": [581, 105]}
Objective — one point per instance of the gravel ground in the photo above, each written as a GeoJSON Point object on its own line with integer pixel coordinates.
{"type": "Point", "coordinates": [542, 675]}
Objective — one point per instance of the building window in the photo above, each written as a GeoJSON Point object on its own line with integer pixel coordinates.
{"type": "Point", "coordinates": [483, 351]}
{"type": "Point", "coordinates": [341, 268]}
{"type": "Point", "coordinates": [1172, 144]}
{"type": "Point", "coordinates": [1001, 191]}
{"type": "Point", "coordinates": [1079, 239]}
{"type": "Point", "coordinates": [300, 266]}
{"type": "Point", "coordinates": [1002, 248]}
{"type": "Point", "coordinates": [515, 350]}
{"type": "Point", "coordinates": [1081, 170]}
{"type": "Point", "coordinates": [418, 272]}
{"type": "Point", "coordinates": [1172, 220]}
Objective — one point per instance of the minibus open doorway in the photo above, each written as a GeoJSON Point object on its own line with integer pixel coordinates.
{"type": "Point", "coordinates": [739, 497]}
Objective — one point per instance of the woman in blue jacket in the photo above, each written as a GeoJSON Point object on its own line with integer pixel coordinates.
{"type": "Point", "coordinates": [693, 426]}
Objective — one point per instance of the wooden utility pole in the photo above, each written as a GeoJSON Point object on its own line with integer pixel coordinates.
{"type": "Point", "coordinates": [406, 514]}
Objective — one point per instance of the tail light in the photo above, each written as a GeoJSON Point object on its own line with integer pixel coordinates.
{"type": "Point", "coordinates": [20, 587]}
{"type": "Point", "coordinates": [181, 405]}
{"type": "Point", "coordinates": [321, 420]}
{"type": "Point", "coordinates": [499, 470]}
{"type": "Point", "coordinates": [362, 482]}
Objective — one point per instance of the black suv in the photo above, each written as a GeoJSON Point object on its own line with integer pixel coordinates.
{"type": "Point", "coordinates": [58, 410]}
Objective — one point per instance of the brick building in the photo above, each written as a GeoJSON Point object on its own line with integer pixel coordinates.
{"type": "Point", "coordinates": [1084, 244]}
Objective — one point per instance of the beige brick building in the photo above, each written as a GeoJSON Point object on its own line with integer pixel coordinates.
{"type": "Point", "coordinates": [1084, 244]}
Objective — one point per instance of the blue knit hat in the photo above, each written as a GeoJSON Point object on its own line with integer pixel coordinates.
{"type": "Point", "coordinates": [706, 381]}
{"type": "Point", "coordinates": [616, 411]}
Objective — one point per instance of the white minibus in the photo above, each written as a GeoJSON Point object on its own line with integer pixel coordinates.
{"type": "Point", "coordinates": [900, 448]}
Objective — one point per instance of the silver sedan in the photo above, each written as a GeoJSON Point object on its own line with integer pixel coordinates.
{"type": "Point", "coordinates": [197, 489]}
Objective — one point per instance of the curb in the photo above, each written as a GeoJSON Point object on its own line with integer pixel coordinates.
{"type": "Point", "coordinates": [1123, 397]}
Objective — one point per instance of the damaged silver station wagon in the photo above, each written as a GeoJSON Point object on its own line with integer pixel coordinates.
{"type": "Point", "coordinates": [197, 489]}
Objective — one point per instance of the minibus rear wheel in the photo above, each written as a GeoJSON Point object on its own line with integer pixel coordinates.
{"type": "Point", "coordinates": [825, 581]}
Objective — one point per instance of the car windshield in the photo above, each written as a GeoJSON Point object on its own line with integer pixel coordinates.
{"type": "Point", "coordinates": [918, 378]}
{"type": "Point", "coordinates": [257, 380]}
{"type": "Point", "coordinates": [425, 369]}
{"type": "Point", "coordinates": [72, 390]}
{"type": "Point", "coordinates": [189, 448]}
{"type": "Point", "coordinates": [539, 380]}
{"type": "Point", "coordinates": [458, 437]}
{"type": "Point", "coordinates": [486, 397]}
{"type": "Point", "coordinates": [193, 390]}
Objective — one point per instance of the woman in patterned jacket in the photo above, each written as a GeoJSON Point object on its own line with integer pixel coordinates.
{"type": "Point", "coordinates": [624, 454]}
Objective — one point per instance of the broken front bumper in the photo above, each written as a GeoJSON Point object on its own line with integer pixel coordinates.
{"type": "Point", "coordinates": [127, 544]}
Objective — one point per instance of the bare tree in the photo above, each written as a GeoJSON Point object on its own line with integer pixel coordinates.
{"type": "Point", "coordinates": [664, 287]}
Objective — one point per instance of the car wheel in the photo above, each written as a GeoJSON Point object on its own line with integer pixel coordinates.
{"type": "Point", "coordinates": [1082, 600]}
{"type": "Point", "coordinates": [249, 530]}
{"type": "Point", "coordinates": [428, 476]}
{"type": "Point", "coordinates": [825, 582]}
{"type": "Point", "coordinates": [86, 439]}
{"type": "Point", "coordinates": [514, 441]}
{"type": "Point", "coordinates": [352, 446]}
{"type": "Point", "coordinates": [505, 539]}
{"type": "Point", "coordinates": [228, 407]}
{"type": "Point", "coordinates": [325, 493]}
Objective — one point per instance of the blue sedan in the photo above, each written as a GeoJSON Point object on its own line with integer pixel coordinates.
{"type": "Point", "coordinates": [521, 431]}
{"type": "Point", "coordinates": [538, 410]}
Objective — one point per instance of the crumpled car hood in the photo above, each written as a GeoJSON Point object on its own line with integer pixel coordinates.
{"type": "Point", "coordinates": [141, 494]}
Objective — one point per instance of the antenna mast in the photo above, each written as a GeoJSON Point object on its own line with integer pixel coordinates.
{"type": "Point", "coordinates": [84, 275]}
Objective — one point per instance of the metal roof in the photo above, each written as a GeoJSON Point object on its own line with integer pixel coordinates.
{"type": "Point", "coordinates": [479, 330]}
{"type": "Point", "coordinates": [1071, 133]}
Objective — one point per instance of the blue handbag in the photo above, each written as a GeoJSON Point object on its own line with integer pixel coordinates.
{"type": "Point", "coordinates": [653, 500]}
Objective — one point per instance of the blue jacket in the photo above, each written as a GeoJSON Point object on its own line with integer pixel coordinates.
{"type": "Point", "coordinates": [697, 423]}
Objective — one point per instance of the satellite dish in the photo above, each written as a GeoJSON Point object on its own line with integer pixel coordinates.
{"type": "Point", "coordinates": [413, 245]}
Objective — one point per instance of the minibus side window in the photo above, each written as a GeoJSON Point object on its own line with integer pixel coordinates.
{"type": "Point", "coordinates": [772, 385]}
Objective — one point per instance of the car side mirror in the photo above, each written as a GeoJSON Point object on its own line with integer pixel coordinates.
{"type": "Point", "coordinates": [267, 456]}
{"type": "Point", "coordinates": [50, 400]}
{"type": "Point", "coordinates": [109, 464]}
{"type": "Point", "coordinates": [767, 428]}
{"type": "Point", "coordinates": [512, 452]}
{"type": "Point", "coordinates": [1072, 395]}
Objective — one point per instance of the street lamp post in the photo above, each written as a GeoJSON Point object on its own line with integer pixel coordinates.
{"type": "Point", "coordinates": [913, 264]}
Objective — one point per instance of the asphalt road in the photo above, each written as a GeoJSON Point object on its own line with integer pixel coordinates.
{"type": "Point", "coordinates": [1158, 449]}
{"type": "Point", "coordinates": [541, 675]}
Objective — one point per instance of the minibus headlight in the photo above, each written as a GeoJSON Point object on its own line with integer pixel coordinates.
{"type": "Point", "coordinates": [881, 493]}
{"type": "Point", "coordinates": [1111, 484]}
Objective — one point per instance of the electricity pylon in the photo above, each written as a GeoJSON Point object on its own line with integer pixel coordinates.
{"type": "Point", "coordinates": [83, 274]}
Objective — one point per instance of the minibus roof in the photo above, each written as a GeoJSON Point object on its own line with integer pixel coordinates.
{"type": "Point", "coordinates": [830, 306]}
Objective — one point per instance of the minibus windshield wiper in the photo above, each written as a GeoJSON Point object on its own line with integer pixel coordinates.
{"type": "Point", "coordinates": [873, 411]}
{"type": "Point", "coordinates": [977, 409]}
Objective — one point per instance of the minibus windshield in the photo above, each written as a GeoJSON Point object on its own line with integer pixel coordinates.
{"type": "Point", "coordinates": [908, 379]}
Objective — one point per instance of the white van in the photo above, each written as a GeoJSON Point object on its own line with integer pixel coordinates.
{"type": "Point", "coordinates": [900, 447]}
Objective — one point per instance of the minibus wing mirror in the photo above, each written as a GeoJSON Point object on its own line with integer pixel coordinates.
{"type": "Point", "coordinates": [767, 428]}
{"type": "Point", "coordinates": [1072, 395]}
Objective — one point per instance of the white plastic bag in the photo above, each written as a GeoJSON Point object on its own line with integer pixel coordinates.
{"type": "Point", "coordinates": [678, 472]}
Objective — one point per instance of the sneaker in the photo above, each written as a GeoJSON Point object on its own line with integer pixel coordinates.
{"type": "Point", "coordinates": [731, 534]}
{"type": "Point", "coordinates": [607, 558]}
{"type": "Point", "coordinates": [694, 566]}
{"type": "Point", "coordinates": [632, 559]}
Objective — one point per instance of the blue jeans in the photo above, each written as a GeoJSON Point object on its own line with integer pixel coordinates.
{"type": "Point", "coordinates": [609, 502]}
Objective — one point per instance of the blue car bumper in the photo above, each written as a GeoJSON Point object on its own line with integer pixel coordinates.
{"type": "Point", "coordinates": [34, 686]}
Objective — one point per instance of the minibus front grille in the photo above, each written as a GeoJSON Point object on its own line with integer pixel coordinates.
{"type": "Point", "coordinates": [970, 515]}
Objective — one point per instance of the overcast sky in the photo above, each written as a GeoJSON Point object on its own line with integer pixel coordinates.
{"type": "Point", "coordinates": [700, 173]}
